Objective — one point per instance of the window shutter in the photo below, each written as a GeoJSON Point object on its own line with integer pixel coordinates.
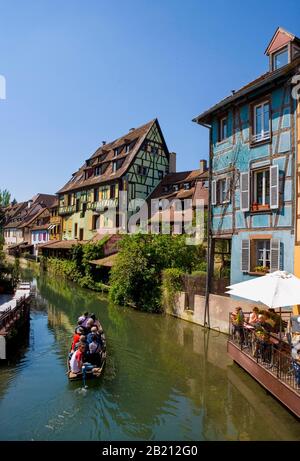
{"type": "Point", "coordinates": [214, 192]}
{"type": "Point", "coordinates": [275, 255]}
{"type": "Point", "coordinates": [228, 191]}
{"type": "Point", "coordinates": [244, 191]}
{"type": "Point", "coordinates": [245, 256]}
{"type": "Point", "coordinates": [274, 187]}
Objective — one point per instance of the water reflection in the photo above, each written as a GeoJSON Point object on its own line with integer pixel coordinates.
{"type": "Point", "coordinates": [165, 379]}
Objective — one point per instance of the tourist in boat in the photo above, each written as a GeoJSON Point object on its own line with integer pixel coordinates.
{"type": "Point", "coordinates": [89, 325]}
{"type": "Point", "coordinates": [96, 322]}
{"type": "Point", "coordinates": [94, 331]}
{"type": "Point", "coordinates": [82, 320]}
{"type": "Point", "coordinates": [78, 332]}
{"type": "Point", "coordinates": [77, 361]}
{"type": "Point", "coordinates": [82, 341]}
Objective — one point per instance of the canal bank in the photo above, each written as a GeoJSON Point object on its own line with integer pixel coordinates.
{"type": "Point", "coordinates": [165, 379]}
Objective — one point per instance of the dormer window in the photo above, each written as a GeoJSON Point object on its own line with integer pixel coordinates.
{"type": "Point", "coordinates": [114, 167]}
{"type": "Point", "coordinates": [280, 58]}
{"type": "Point", "coordinates": [186, 186]}
{"type": "Point", "coordinates": [127, 148]}
{"type": "Point", "coordinates": [116, 151]}
{"type": "Point", "coordinates": [175, 187]}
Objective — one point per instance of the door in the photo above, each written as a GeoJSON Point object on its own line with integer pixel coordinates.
{"type": "Point", "coordinates": [81, 234]}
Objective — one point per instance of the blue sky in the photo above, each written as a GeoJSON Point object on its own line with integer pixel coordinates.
{"type": "Point", "coordinates": [79, 72]}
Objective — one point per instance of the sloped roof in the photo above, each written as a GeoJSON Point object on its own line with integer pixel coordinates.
{"type": "Point", "coordinates": [259, 82]}
{"type": "Point", "coordinates": [194, 177]}
{"type": "Point", "coordinates": [134, 138]}
{"type": "Point", "coordinates": [280, 38]}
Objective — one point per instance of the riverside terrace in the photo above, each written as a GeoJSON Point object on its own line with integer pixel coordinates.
{"type": "Point", "coordinates": [269, 357]}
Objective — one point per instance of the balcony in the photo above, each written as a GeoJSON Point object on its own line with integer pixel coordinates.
{"type": "Point", "coordinates": [102, 204]}
{"type": "Point", "coordinates": [64, 210]}
{"type": "Point", "coordinates": [267, 358]}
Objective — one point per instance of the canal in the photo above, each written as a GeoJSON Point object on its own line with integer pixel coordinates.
{"type": "Point", "coordinates": [165, 379]}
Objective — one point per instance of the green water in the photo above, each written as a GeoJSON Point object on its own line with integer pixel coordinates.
{"type": "Point", "coordinates": [165, 379]}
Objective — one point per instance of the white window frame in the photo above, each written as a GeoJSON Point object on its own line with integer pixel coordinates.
{"type": "Point", "coordinates": [255, 173]}
{"type": "Point", "coordinates": [264, 252]}
{"type": "Point", "coordinates": [282, 50]}
{"type": "Point", "coordinates": [220, 198]}
{"type": "Point", "coordinates": [263, 135]}
{"type": "Point", "coordinates": [223, 136]}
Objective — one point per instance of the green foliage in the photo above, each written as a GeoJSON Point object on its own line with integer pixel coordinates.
{"type": "Point", "coordinates": [136, 277]}
{"type": "Point", "coordinates": [171, 285]}
{"type": "Point", "coordinates": [78, 268]}
{"type": "Point", "coordinates": [4, 197]}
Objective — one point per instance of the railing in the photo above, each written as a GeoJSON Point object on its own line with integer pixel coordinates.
{"type": "Point", "coordinates": [62, 210]}
{"type": "Point", "coordinates": [262, 136]}
{"type": "Point", "coordinates": [102, 204]}
{"type": "Point", "coordinates": [268, 350]}
{"type": "Point", "coordinates": [9, 314]}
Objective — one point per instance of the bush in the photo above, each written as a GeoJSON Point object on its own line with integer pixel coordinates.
{"type": "Point", "coordinates": [171, 285]}
{"type": "Point", "coordinates": [136, 278]}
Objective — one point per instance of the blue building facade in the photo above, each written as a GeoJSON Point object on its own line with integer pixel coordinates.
{"type": "Point", "coordinates": [253, 160]}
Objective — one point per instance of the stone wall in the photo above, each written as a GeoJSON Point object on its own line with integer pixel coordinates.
{"type": "Point", "coordinates": [219, 309]}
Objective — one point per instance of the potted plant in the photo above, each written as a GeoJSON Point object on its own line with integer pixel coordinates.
{"type": "Point", "coordinates": [261, 269]}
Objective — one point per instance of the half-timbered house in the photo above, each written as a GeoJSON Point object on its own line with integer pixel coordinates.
{"type": "Point", "coordinates": [253, 153]}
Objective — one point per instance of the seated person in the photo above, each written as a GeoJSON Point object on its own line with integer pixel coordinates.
{"type": "Point", "coordinates": [253, 318]}
{"type": "Point", "coordinates": [76, 361]}
{"type": "Point", "coordinates": [78, 332]}
{"type": "Point", "coordinates": [96, 322]}
{"type": "Point", "coordinates": [93, 331]}
{"type": "Point", "coordinates": [269, 320]}
{"type": "Point", "coordinates": [82, 320]}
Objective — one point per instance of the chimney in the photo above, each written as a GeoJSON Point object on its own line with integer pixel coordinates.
{"type": "Point", "coordinates": [172, 162]}
{"type": "Point", "coordinates": [203, 166]}
{"type": "Point", "coordinates": [103, 143]}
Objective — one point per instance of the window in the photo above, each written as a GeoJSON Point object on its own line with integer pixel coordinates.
{"type": "Point", "coordinates": [112, 191]}
{"type": "Point", "coordinates": [97, 171]}
{"type": "Point", "coordinates": [75, 230]}
{"type": "Point", "coordinates": [96, 194]}
{"type": "Point", "coordinates": [104, 193]}
{"type": "Point", "coordinates": [223, 129]}
{"type": "Point", "coordinates": [95, 222]}
{"type": "Point", "coordinates": [116, 152]}
{"type": "Point", "coordinates": [280, 59]}
{"type": "Point", "coordinates": [222, 192]}
{"type": "Point", "coordinates": [127, 148]}
{"type": "Point", "coordinates": [263, 253]}
{"type": "Point", "coordinates": [114, 167]}
{"type": "Point", "coordinates": [165, 188]}
{"type": "Point", "coordinates": [69, 199]}
{"type": "Point", "coordinates": [154, 150]}
{"type": "Point", "coordinates": [175, 187]}
{"type": "Point", "coordinates": [186, 186]}
{"type": "Point", "coordinates": [261, 188]}
{"type": "Point", "coordinates": [160, 174]}
{"type": "Point", "coordinates": [261, 122]}
{"type": "Point", "coordinates": [142, 170]}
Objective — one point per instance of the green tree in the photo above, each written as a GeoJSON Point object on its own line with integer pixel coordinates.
{"type": "Point", "coordinates": [4, 197]}
{"type": "Point", "coordinates": [136, 277]}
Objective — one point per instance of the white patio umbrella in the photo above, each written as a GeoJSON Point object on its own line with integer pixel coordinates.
{"type": "Point", "coordinates": [278, 289]}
